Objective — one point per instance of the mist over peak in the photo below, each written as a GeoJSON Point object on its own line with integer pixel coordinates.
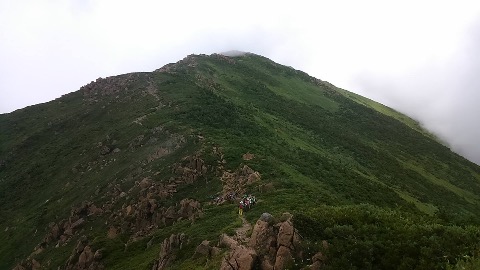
{"type": "Point", "coordinates": [234, 53]}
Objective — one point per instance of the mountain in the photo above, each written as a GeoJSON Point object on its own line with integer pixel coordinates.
{"type": "Point", "coordinates": [146, 171]}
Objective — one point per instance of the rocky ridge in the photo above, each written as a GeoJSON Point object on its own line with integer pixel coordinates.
{"type": "Point", "coordinates": [272, 245]}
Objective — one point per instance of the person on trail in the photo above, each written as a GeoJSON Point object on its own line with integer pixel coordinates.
{"type": "Point", "coordinates": [240, 208]}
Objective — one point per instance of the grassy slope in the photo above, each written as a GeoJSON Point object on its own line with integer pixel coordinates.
{"type": "Point", "coordinates": [322, 149]}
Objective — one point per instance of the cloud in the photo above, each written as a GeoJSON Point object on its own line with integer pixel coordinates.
{"type": "Point", "coordinates": [441, 93]}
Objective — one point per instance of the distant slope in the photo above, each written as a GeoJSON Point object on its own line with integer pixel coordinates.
{"type": "Point", "coordinates": [127, 161]}
{"type": "Point", "coordinates": [387, 111]}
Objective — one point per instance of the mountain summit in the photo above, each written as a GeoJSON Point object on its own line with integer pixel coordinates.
{"type": "Point", "coordinates": [147, 171]}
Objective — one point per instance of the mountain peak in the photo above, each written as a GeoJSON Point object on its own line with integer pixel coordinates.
{"type": "Point", "coordinates": [147, 171]}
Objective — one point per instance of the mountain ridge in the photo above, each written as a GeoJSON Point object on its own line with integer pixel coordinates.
{"type": "Point", "coordinates": [142, 153]}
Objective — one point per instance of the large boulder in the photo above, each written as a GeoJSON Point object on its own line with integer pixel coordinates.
{"type": "Point", "coordinates": [188, 208]}
{"type": "Point", "coordinates": [145, 183]}
{"type": "Point", "coordinates": [241, 258]}
{"type": "Point", "coordinates": [284, 258]}
{"type": "Point", "coordinates": [317, 260]}
{"type": "Point", "coordinates": [285, 234]}
{"type": "Point", "coordinates": [263, 236]}
{"type": "Point", "coordinates": [35, 265]}
{"type": "Point", "coordinates": [204, 249]}
{"type": "Point", "coordinates": [168, 249]}
{"type": "Point", "coordinates": [267, 217]}
{"type": "Point", "coordinates": [85, 258]}
{"type": "Point", "coordinates": [270, 247]}
{"type": "Point", "coordinates": [227, 241]}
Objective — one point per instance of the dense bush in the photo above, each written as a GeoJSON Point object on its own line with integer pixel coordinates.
{"type": "Point", "coordinates": [368, 237]}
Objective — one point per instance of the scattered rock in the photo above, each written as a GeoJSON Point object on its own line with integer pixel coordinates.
{"type": "Point", "coordinates": [77, 224]}
{"type": "Point", "coordinates": [129, 210]}
{"type": "Point", "coordinates": [28, 264]}
{"type": "Point", "coordinates": [241, 258]}
{"type": "Point", "coordinates": [83, 257]}
{"type": "Point", "coordinates": [145, 183]}
{"type": "Point", "coordinates": [112, 233]}
{"type": "Point", "coordinates": [167, 251]}
{"type": "Point", "coordinates": [59, 233]}
{"type": "Point", "coordinates": [204, 249]}
{"type": "Point", "coordinates": [98, 255]}
{"type": "Point", "coordinates": [105, 150]}
{"type": "Point", "coordinates": [35, 265]}
{"type": "Point", "coordinates": [318, 260]}
{"type": "Point", "coordinates": [248, 156]}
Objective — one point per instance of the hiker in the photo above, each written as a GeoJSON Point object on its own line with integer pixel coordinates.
{"type": "Point", "coordinates": [240, 208]}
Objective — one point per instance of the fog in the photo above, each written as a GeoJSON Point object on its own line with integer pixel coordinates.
{"type": "Point", "coordinates": [441, 94]}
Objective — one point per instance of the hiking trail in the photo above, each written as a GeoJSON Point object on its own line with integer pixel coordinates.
{"type": "Point", "coordinates": [242, 232]}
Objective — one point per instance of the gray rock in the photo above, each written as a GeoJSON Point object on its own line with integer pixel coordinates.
{"type": "Point", "coordinates": [267, 217]}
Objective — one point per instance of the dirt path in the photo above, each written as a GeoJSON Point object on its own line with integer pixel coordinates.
{"type": "Point", "coordinates": [242, 232]}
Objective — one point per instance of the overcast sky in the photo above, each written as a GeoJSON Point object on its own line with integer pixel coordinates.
{"type": "Point", "coordinates": [419, 57]}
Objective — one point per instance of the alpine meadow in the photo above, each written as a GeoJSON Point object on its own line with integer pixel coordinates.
{"type": "Point", "coordinates": [146, 171]}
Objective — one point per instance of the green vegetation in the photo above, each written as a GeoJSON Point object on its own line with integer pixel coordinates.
{"type": "Point", "coordinates": [368, 237]}
{"type": "Point", "coordinates": [381, 190]}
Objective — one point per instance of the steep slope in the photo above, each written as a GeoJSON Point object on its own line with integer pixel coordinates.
{"type": "Point", "coordinates": [104, 176]}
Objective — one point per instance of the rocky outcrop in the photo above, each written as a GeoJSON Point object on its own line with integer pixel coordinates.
{"type": "Point", "coordinates": [225, 58]}
{"type": "Point", "coordinates": [190, 169]}
{"type": "Point", "coordinates": [29, 264]}
{"type": "Point", "coordinates": [168, 249]}
{"type": "Point", "coordinates": [108, 86]}
{"type": "Point", "coordinates": [138, 217]}
{"type": "Point", "coordinates": [84, 257]}
{"type": "Point", "coordinates": [271, 246]}
{"type": "Point", "coordinates": [186, 63]}
{"type": "Point", "coordinates": [318, 260]}
{"type": "Point", "coordinates": [240, 258]}
{"type": "Point", "coordinates": [145, 215]}
{"type": "Point", "coordinates": [236, 182]}
{"type": "Point", "coordinates": [204, 249]}
{"type": "Point", "coordinates": [60, 232]}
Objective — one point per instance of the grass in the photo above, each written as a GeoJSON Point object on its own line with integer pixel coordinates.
{"type": "Point", "coordinates": [468, 196]}
{"type": "Point", "coordinates": [329, 155]}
